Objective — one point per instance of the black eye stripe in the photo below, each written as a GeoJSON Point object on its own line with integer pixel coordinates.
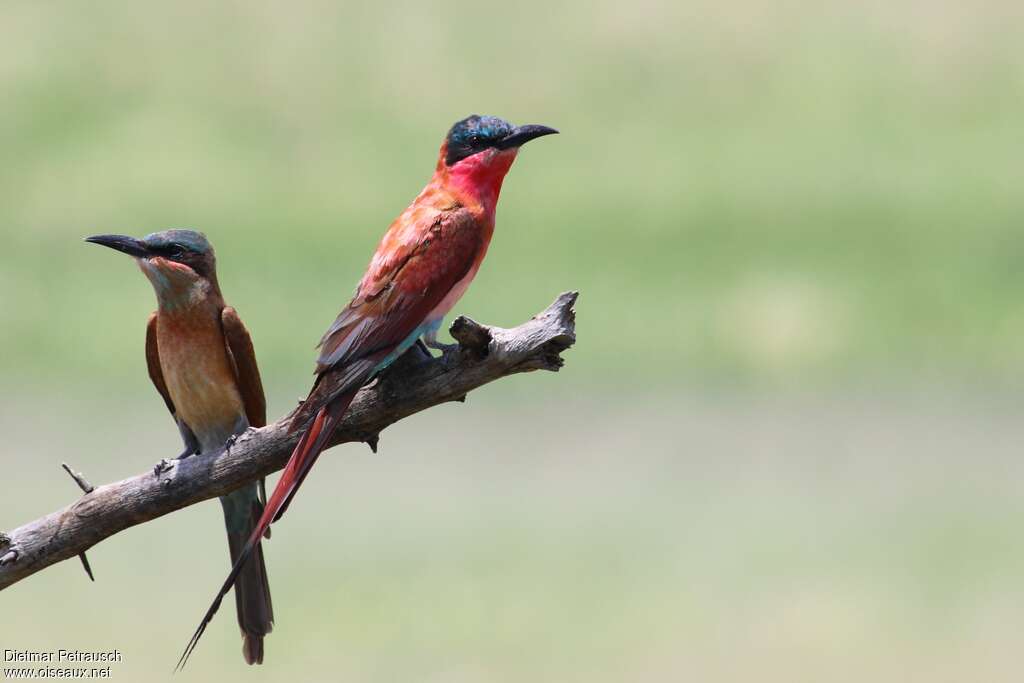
{"type": "Point", "coordinates": [475, 134]}
{"type": "Point", "coordinates": [171, 250]}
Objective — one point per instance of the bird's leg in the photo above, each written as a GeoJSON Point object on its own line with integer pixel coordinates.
{"type": "Point", "coordinates": [430, 340]}
{"type": "Point", "coordinates": [191, 448]}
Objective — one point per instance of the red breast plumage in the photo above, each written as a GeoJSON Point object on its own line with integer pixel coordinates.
{"type": "Point", "coordinates": [423, 264]}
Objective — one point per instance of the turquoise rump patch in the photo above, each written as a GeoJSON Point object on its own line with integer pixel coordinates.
{"type": "Point", "coordinates": [429, 326]}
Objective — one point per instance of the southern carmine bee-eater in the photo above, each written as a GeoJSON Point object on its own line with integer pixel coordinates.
{"type": "Point", "coordinates": [423, 264]}
{"type": "Point", "coordinates": [201, 360]}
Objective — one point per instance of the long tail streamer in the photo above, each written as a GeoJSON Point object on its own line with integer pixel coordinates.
{"type": "Point", "coordinates": [306, 452]}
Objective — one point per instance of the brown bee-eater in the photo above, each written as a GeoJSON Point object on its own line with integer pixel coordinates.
{"type": "Point", "coordinates": [201, 360]}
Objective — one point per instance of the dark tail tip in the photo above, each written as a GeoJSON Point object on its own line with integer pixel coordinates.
{"type": "Point", "coordinates": [207, 618]}
{"type": "Point", "coordinates": [252, 649]}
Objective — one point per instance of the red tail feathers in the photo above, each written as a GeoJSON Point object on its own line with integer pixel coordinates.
{"type": "Point", "coordinates": [312, 443]}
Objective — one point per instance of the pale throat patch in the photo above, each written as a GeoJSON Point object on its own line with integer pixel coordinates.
{"type": "Point", "coordinates": [175, 290]}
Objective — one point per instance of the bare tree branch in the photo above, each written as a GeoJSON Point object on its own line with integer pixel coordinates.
{"type": "Point", "coordinates": [87, 488]}
{"type": "Point", "coordinates": [414, 383]}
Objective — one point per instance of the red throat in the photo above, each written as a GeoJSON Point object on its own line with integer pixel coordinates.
{"type": "Point", "coordinates": [478, 178]}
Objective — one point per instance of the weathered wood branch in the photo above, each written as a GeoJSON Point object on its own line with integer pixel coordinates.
{"type": "Point", "coordinates": [87, 488]}
{"type": "Point", "coordinates": [414, 383]}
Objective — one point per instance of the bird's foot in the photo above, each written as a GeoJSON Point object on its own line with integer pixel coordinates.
{"type": "Point", "coordinates": [167, 464]}
{"type": "Point", "coordinates": [445, 349]}
{"type": "Point", "coordinates": [164, 465]}
{"type": "Point", "coordinates": [8, 551]}
{"type": "Point", "coordinates": [241, 435]}
{"type": "Point", "coordinates": [429, 341]}
{"type": "Point", "coordinates": [9, 557]}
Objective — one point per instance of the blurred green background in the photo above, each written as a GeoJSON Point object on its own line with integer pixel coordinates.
{"type": "Point", "coordinates": [784, 448]}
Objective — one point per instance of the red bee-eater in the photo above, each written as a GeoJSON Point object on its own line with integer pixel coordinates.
{"type": "Point", "coordinates": [201, 360]}
{"type": "Point", "coordinates": [423, 264]}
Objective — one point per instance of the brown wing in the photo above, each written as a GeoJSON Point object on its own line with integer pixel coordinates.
{"type": "Point", "coordinates": [247, 373]}
{"type": "Point", "coordinates": [156, 373]}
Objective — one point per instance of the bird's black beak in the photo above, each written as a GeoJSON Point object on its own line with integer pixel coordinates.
{"type": "Point", "coordinates": [523, 134]}
{"type": "Point", "coordinates": [123, 243]}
